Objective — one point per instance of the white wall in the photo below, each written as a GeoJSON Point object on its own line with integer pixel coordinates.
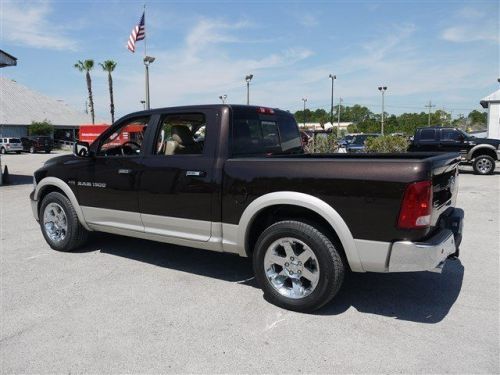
{"type": "Point", "coordinates": [494, 120]}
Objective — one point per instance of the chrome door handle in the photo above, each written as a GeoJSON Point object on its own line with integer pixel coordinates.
{"type": "Point", "coordinates": [196, 173]}
{"type": "Point", "coordinates": [125, 171]}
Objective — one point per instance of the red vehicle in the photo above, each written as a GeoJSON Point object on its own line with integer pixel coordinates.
{"type": "Point", "coordinates": [89, 133]}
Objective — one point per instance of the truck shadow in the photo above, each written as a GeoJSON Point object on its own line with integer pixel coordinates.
{"type": "Point", "coordinates": [422, 297]}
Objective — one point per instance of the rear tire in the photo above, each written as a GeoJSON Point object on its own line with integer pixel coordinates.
{"type": "Point", "coordinates": [484, 165]}
{"type": "Point", "coordinates": [32, 150]}
{"type": "Point", "coordinates": [3, 151]}
{"type": "Point", "coordinates": [59, 223]}
{"type": "Point", "coordinates": [297, 266]}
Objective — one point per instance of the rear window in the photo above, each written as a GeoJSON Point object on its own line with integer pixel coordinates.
{"type": "Point", "coordinates": [256, 134]}
{"type": "Point", "coordinates": [15, 140]}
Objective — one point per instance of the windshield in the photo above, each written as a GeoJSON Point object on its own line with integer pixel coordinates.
{"type": "Point", "coordinates": [465, 134]}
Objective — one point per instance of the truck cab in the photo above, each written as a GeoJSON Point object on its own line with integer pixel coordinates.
{"type": "Point", "coordinates": [482, 153]}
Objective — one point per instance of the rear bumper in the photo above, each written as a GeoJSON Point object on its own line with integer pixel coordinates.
{"type": "Point", "coordinates": [407, 256]}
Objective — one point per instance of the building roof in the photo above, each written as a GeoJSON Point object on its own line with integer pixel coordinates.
{"type": "Point", "coordinates": [20, 106]}
{"type": "Point", "coordinates": [494, 97]}
{"type": "Point", "coordinates": [7, 59]}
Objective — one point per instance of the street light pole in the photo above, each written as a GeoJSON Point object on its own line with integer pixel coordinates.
{"type": "Point", "coordinates": [332, 77]}
{"type": "Point", "coordinates": [148, 60]}
{"type": "Point", "coordinates": [223, 98]}
{"type": "Point", "coordinates": [248, 78]}
{"type": "Point", "coordinates": [338, 119]}
{"type": "Point", "coordinates": [304, 100]}
{"type": "Point", "coordinates": [382, 89]}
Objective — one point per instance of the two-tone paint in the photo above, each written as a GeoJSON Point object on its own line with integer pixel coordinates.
{"type": "Point", "coordinates": [212, 200]}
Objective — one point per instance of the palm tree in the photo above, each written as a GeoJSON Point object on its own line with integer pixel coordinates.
{"type": "Point", "coordinates": [86, 66]}
{"type": "Point", "coordinates": [109, 66]}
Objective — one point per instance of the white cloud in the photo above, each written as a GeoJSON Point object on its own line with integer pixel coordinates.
{"type": "Point", "coordinates": [472, 25]}
{"type": "Point", "coordinates": [203, 68]}
{"type": "Point", "coordinates": [28, 23]}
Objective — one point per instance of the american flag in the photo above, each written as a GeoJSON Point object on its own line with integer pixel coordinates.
{"type": "Point", "coordinates": [138, 33]}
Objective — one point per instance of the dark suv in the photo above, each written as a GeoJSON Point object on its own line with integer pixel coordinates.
{"type": "Point", "coordinates": [482, 153]}
{"type": "Point", "coordinates": [37, 143]}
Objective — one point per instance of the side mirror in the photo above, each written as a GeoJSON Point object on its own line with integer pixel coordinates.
{"type": "Point", "coordinates": [81, 149]}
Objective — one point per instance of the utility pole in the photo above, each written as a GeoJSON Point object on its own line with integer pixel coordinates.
{"type": "Point", "coordinates": [338, 118]}
{"type": "Point", "coordinates": [382, 89]}
{"type": "Point", "coordinates": [304, 100]}
{"type": "Point", "coordinates": [333, 77]}
{"type": "Point", "coordinates": [430, 106]}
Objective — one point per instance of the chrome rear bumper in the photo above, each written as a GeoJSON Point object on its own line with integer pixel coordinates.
{"type": "Point", "coordinates": [407, 256]}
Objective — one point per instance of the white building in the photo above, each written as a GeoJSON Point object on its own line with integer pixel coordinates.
{"type": "Point", "coordinates": [19, 106]}
{"type": "Point", "coordinates": [317, 126]}
{"type": "Point", "coordinates": [492, 102]}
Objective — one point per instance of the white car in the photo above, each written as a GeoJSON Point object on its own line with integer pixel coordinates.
{"type": "Point", "coordinates": [10, 145]}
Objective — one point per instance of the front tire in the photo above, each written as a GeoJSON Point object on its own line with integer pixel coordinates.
{"type": "Point", "coordinates": [59, 223]}
{"type": "Point", "coordinates": [297, 266]}
{"type": "Point", "coordinates": [32, 150]}
{"type": "Point", "coordinates": [3, 151]}
{"type": "Point", "coordinates": [484, 165]}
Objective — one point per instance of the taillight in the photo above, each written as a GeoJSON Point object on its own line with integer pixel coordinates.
{"type": "Point", "coordinates": [416, 208]}
{"type": "Point", "coordinates": [263, 110]}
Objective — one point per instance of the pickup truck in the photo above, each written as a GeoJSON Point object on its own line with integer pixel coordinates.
{"type": "Point", "coordinates": [234, 179]}
{"type": "Point", "coordinates": [482, 153]}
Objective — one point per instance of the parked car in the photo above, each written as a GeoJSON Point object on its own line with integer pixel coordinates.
{"type": "Point", "coordinates": [37, 143]}
{"type": "Point", "coordinates": [482, 153]}
{"type": "Point", "coordinates": [10, 145]}
{"type": "Point", "coordinates": [347, 139]}
{"type": "Point", "coordinates": [304, 219]}
{"type": "Point", "coordinates": [358, 143]}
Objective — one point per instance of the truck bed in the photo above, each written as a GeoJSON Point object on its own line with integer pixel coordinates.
{"type": "Point", "coordinates": [365, 189]}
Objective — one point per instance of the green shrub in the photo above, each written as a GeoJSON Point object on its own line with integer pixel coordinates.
{"type": "Point", "coordinates": [387, 143]}
{"type": "Point", "coordinates": [41, 128]}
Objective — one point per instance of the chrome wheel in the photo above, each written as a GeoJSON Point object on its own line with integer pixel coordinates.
{"type": "Point", "coordinates": [291, 267]}
{"type": "Point", "coordinates": [484, 165]}
{"type": "Point", "coordinates": [55, 222]}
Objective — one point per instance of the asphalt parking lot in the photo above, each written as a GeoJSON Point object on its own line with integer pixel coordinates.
{"type": "Point", "coordinates": [123, 305]}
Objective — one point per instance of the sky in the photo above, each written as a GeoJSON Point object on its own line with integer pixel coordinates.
{"type": "Point", "coordinates": [443, 51]}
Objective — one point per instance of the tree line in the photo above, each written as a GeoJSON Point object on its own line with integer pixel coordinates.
{"type": "Point", "coordinates": [108, 66]}
{"type": "Point", "coordinates": [365, 121]}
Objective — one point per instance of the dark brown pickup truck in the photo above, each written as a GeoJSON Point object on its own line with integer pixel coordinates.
{"type": "Point", "coordinates": [234, 179]}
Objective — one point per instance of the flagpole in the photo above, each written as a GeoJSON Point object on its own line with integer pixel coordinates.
{"type": "Point", "coordinates": [145, 47]}
{"type": "Point", "coordinates": [146, 64]}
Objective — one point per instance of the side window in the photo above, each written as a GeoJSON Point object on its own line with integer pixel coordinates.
{"type": "Point", "coordinates": [127, 140]}
{"type": "Point", "coordinates": [181, 134]}
{"type": "Point", "coordinates": [450, 135]}
{"type": "Point", "coordinates": [427, 135]}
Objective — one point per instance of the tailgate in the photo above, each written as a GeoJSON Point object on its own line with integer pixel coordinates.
{"type": "Point", "coordinates": [444, 184]}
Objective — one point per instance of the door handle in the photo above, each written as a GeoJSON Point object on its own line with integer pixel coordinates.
{"type": "Point", "coordinates": [196, 173]}
{"type": "Point", "coordinates": [125, 171]}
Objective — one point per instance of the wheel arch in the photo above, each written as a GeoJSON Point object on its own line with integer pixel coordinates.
{"type": "Point", "coordinates": [255, 213]}
{"type": "Point", "coordinates": [482, 149]}
{"type": "Point", "coordinates": [50, 184]}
